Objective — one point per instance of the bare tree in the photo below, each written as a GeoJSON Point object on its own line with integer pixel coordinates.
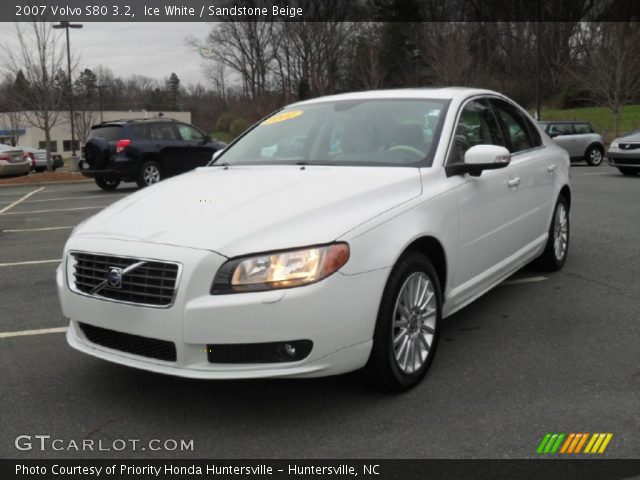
{"type": "Point", "coordinates": [16, 121]}
{"type": "Point", "coordinates": [40, 56]}
{"type": "Point", "coordinates": [610, 72]}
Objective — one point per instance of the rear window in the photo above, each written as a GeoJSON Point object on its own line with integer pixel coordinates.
{"type": "Point", "coordinates": [110, 133]}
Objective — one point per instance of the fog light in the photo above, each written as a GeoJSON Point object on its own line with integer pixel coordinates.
{"type": "Point", "coordinates": [289, 349]}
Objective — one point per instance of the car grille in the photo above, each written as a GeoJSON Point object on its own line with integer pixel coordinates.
{"type": "Point", "coordinates": [151, 283]}
{"type": "Point", "coordinates": [629, 146]}
{"type": "Point", "coordinates": [135, 344]}
{"type": "Point", "coordinates": [627, 161]}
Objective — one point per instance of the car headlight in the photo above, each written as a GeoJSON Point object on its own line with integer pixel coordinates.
{"type": "Point", "coordinates": [614, 145]}
{"type": "Point", "coordinates": [284, 269]}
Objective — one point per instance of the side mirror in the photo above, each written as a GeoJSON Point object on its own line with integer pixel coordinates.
{"type": "Point", "coordinates": [479, 158]}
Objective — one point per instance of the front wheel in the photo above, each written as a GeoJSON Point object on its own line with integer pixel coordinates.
{"type": "Point", "coordinates": [107, 184]}
{"type": "Point", "coordinates": [555, 252]}
{"type": "Point", "coordinates": [406, 332]}
{"type": "Point", "coordinates": [629, 171]}
{"type": "Point", "coordinates": [594, 156]}
{"type": "Point", "coordinates": [150, 173]}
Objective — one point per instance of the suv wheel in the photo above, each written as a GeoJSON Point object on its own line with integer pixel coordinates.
{"type": "Point", "coordinates": [406, 333]}
{"type": "Point", "coordinates": [150, 173]}
{"type": "Point", "coordinates": [594, 156]}
{"type": "Point", "coordinates": [108, 183]}
{"type": "Point", "coordinates": [629, 171]}
{"type": "Point", "coordinates": [555, 252]}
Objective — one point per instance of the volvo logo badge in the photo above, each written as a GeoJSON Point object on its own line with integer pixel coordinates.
{"type": "Point", "coordinates": [115, 277]}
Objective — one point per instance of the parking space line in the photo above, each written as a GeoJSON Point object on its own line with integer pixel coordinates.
{"type": "Point", "coordinates": [75, 198]}
{"type": "Point", "coordinates": [41, 331]}
{"type": "Point", "coordinates": [20, 200]}
{"type": "Point", "coordinates": [56, 210]}
{"type": "Point", "coordinates": [31, 262]}
{"type": "Point", "coordinates": [45, 229]}
{"type": "Point", "coordinates": [519, 281]}
{"type": "Point", "coordinates": [598, 173]}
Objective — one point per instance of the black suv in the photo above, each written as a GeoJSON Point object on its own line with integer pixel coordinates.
{"type": "Point", "coordinates": [144, 151]}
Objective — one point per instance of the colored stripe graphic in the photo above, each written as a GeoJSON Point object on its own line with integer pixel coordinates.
{"type": "Point", "coordinates": [573, 443]}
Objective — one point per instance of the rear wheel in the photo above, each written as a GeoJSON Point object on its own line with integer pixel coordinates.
{"type": "Point", "coordinates": [594, 156]}
{"type": "Point", "coordinates": [150, 173]}
{"type": "Point", "coordinates": [555, 252]}
{"type": "Point", "coordinates": [629, 171]}
{"type": "Point", "coordinates": [406, 332]}
{"type": "Point", "coordinates": [107, 183]}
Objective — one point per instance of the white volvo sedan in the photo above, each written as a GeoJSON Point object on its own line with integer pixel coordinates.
{"type": "Point", "coordinates": [333, 235]}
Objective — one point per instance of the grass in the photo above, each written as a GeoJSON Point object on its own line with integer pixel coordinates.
{"type": "Point", "coordinates": [600, 117]}
{"type": "Point", "coordinates": [222, 136]}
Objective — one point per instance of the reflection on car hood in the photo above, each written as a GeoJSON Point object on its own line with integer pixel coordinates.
{"type": "Point", "coordinates": [631, 137]}
{"type": "Point", "coordinates": [246, 209]}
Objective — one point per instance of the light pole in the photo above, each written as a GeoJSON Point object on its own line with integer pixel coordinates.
{"type": "Point", "coordinates": [67, 26]}
{"type": "Point", "coordinates": [100, 87]}
{"type": "Point", "coordinates": [539, 64]}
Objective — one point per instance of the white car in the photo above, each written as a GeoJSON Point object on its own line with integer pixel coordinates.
{"type": "Point", "coordinates": [327, 257]}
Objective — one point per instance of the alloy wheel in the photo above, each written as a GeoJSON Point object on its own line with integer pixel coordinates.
{"type": "Point", "coordinates": [560, 232]}
{"type": "Point", "coordinates": [414, 322]}
{"type": "Point", "coordinates": [595, 157]}
{"type": "Point", "coordinates": [151, 175]}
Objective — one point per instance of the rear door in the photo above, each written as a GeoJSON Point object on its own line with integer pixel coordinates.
{"type": "Point", "coordinates": [168, 144]}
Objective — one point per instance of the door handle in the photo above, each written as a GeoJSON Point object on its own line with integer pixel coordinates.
{"type": "Point", "coordinates": [551, 168]}
{"type": "Point", "coordinates": [514, 182]}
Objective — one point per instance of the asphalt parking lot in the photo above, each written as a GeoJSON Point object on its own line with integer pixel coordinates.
{"type": "Point", "coordinates": [540, 353]}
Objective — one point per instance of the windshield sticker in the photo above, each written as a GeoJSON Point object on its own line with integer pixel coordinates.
{"type": "Point", "coordinates": [281, 117]}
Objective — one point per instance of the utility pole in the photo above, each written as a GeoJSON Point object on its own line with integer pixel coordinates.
{"type": "Point", "coordinates": [539, 64]}
{"type": "Point", "coordinates": [67, 26]}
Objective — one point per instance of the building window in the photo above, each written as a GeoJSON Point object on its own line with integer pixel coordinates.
{"type": "Point", "coordinates": [66, 145]}
{"type": "Point", "coordinates": [52, 143]}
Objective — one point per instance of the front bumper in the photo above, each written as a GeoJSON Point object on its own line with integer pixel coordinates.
{"type": "Point", "coordinates": [623, 158]}
{"type": "Point", "coordinates": [337, 314]}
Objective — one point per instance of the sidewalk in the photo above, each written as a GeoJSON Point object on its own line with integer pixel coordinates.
{"type": "Point", "coordinates": [44, 177]}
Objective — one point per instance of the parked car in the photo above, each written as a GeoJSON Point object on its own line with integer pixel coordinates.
{"type": "Point", "coordinates": [624, 153]}
{"type": "Point", "coordinates": [327, 259]}
{"type": "Point", "coordinates": [38, 159]}
{"type": "Point", "coordinates": [144, 151]}
{"type": "Point", "coordinates": [577, 138]}
{"type": "Point", "coordinates": [12, 162]}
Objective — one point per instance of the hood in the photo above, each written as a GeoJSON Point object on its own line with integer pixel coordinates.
{"type": "Point", "coordinates": [246, 209]}
{"type": "Point", "coordinates": [629, 137]}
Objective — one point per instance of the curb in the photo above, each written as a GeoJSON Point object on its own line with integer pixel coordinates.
{"type": "Point", "coordinates": [38, 184]}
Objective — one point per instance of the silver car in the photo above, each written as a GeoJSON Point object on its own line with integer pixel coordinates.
{"type": "Point", "coordinates": [624, 153]}
{"type": "Point", "coordinates": [577, 138]}
{"type": "Point", "coordinates": [38, 158]}
{"type": "Point", "coordinates": [13, 162]}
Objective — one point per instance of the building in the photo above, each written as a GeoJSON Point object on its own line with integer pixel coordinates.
{"type": "Point", "coordinates": [61, 132]}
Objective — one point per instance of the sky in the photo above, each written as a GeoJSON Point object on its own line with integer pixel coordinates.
{"type": "Point", "coordinates": [151, 49]}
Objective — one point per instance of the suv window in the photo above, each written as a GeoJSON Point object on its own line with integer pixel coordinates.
{"type": "Point", "coordinates": [516, 128]}
{"type": "Point", "coordinates": [561, 129]}
{"type": "Point", "coordinates": [110, 133]}
{"type": "Point", "coordinates": [187, 132]}
{"type": "Point", "coordinates": [582, 128]}
{"type": "Point", "coordinates": [163, 131]}
{"type": "Point", "coordinates": [476, 126]}
{"type": "Point", "coordinates": [142, 132]}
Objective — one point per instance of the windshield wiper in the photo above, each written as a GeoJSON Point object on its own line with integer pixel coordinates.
{"type": "Point", "coordinates": [306, 162]}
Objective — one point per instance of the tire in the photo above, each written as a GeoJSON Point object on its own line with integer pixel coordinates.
{"type": "Point", "coordinates": [150, 173]}
{"type": "Point", "coordinates": [107, 184]}
{"type": "Point", "coordinates": [388, 363]}
{"type": "Point", "coordinates": [629, 171]}
{"type": "Point", "coordinates": [594, 156]}
{"type": "Point", "coordinates": [554, 255]}
{"type": "Point", "coordinates": [97, 152]}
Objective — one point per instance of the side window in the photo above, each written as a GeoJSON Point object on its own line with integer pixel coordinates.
{"type": "Point", "coordinates": [476, 126]}
{"type": "Point", "coordinates": [187, 132]}
{"type": "Point", "coordinates": [163, 131]}
{"type": "Point", "coordinates": [142, 131]}
{"type": "Point", "coordinates": [515, 126]}
{"type": "Point", "coordinates": [561, 129]}
{"type": "Point", "coordinates": [582, 128]}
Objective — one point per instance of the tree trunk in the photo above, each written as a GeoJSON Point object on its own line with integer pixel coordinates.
{"type": "Point", "coordinates": [47, 139]}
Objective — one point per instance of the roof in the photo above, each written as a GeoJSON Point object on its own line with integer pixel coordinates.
{"type": "Point", "coordinates": [445, 93]}
{"type": "Point", "coordinates": [562, 121]}
{"type": "Point", "coordinates": [135, 120]}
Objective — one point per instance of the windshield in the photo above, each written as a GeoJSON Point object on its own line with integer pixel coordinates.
{"type": "Point", "coordinates": [345, 132]}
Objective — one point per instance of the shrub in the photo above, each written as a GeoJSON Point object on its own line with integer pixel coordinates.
{"type": "Point", "coordinates": [238, 126]}
{"type": "Point", "coordinates": [224, 122]}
